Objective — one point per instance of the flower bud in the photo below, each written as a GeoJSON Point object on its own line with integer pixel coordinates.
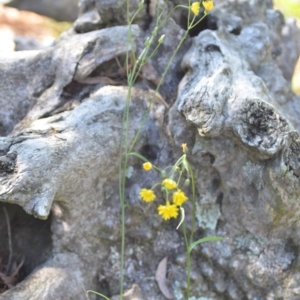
{"type": "Point", "coordinates": [187, 182]}
{"type": "Point", "coordinates": [141, 4]}
{"type": "Point", "coordinates": [184, 148]}
{"type": "Point", "coordinates": [154, 32]}
{"type": "Point", "coordinates": [164, 189]}
{"type": "Point", "coordinates": [161, 39]}
{"type": "Point", "coordinates": [147, 42]}
{"type": "Point", "coordinates": [163, 174]}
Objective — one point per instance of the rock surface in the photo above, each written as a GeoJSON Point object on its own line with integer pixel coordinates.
{"type": "Point", "coordinates": [66, 10]}
{"type": "Point", "coordinates": [234, 109]}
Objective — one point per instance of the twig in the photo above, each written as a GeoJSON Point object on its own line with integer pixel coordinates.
{"type": "Point", "coordinates": [9, 240]}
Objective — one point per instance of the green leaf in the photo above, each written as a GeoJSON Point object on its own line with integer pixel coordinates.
{"type": "Point", "coordinates": [138, 155]}
{"type": "Point", "coordinates": [90, 291]}
{"type": "Point", "coordinates": [205, 239]}
{"type": "Point", "coordinates": [182, 214]}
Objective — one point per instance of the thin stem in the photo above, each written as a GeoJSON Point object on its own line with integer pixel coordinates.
{"type": "Point", "coordinates": [179, 178]}
{"type": "Point", "coordinates": [99, 294]}
{"type": "Point", "coordinates": [163, 77]}
{"type": "Point", "coordinates": [122, 181]}
{"type": "Point", "coordinates": [123, 160]}
{"type": "Point", "coordinates": [178, 162]}
{"type": "Point", "coordinates": [125, 148]}
{"type": "Point", "coordinates": [188, 261]}
{"type": "Point", "coordinates": [135, 14]}
{"type": "Point", "coordinates": [193, 203]}
{"type": "Point", "coordinates": [189, 15]}
{"type": "Point", "coordinates": [193, 25]}
{"type": "Point", "coordinates": [156, 90]}
{"type": "Point", "coordinates": [154, 52]}
{"type": "Point", "coordinates": [169, 14]}
{"type": "Point", "coordinates": [131, 75]}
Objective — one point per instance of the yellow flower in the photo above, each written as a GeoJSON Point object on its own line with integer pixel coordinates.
{"type": "Point", "coordinates": [147, 195]}
{"type": "Point", "coordinates": [147, 166]}
{"type": "Point", "coordinates": [170, 184]}
{"type": "Point", "coordinates": [184, 148]}
{"type": "Point", "coordinates": [179, 197]}
{"type": "Point", "coordinates": [208, 5]}
{"type": "Point", "coordinates": [195, 8]}
{"type": "Point", "coordinates": [168, 211]}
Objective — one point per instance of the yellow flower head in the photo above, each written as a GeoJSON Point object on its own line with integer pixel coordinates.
{"type": "Point", "coordinates": [208, 5]}
{"type": "Point", "coordinates": [168, 211]}
{"type": "Point", "coordinates": [179, 197]}
{"type": "Point", "coordinates": [170, 184]}
{"type": "Point", "coordinates": [147, 166]}
{"type": "Point", "coordinates": [195, 8]}
{"type": "Point", "coordinates": [184, 148]}
{"type": "Point", "coordinates": [147, 195]}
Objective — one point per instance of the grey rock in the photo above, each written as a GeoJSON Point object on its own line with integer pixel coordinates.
{"type": "Point", "coordinates": [66, 10]}
{"type": "Point", "coordinates": [105, 13]}
{"type": "Point", "coordinates": [83, 142]}
{"type": "Point", "coordinates": [234, 109]}
{"type": "Point", "coordinates": [26, 43]}
{"type": "Point", "coordinates": [40, 75]}
{"type": "Point", "coordinates": [242, 101]}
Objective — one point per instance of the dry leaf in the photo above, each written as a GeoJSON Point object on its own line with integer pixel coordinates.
{"type": "Point", "coordinates": [149, 73]}
{"type": "Point", "coordinates": [9, 281]}
{"type": "Point", "coordinates": [160, 98]}
{"type": "Point", "coordinates": [160, 277]}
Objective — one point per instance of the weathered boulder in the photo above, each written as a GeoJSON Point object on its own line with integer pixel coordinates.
{"type": "Point", "coordinates": [234, 109]}
{"type": "Point", "coordinates": [41, 78]}
{"type": "Point", "coordinates": [66, 10]}
{"type": "Point", "coordinates": [98, 14]}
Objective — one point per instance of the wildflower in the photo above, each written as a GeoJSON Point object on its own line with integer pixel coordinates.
{"type": "Point", "coordinates": [184, 148]}
{"type": "Point", "coordinates": [147, 166]}
{"type": "Point", "coordinates": [208, 5]}
{"type": "Point", "coordinates": [195, 8]}
{"type": "Point", "coordinates": [147, 195]}
{"type": "Point", "coordinates": [170, 184]}
{"type": "Point", "coordinates": [168, 211]}
{"type": "Point", "coordinates": [179, 197]}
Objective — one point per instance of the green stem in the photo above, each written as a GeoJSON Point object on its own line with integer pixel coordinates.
{"type": "Point", "coordinates": [99, 294]}
{"type": "Point", "coordinates": [153, 52]}
{"type": "Point", "coordinates": [123, 158]}
{"type": "Point", "coordinates": [188, 261]}
{"type": "Point", "coordinates": [193, 204]}
{"type": "Point", "coordinates": [163, 78]}
{"type": "Point", "coordinates": [178, 162]}
{"type": "Point", "coordinates": [122, 181]}
{"type": "Point", "coordinates": [156, 90]}
{"type": "Point", "coordinates": [179, 178]}
{"type": "Point", "coordinates": [125, 148]}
